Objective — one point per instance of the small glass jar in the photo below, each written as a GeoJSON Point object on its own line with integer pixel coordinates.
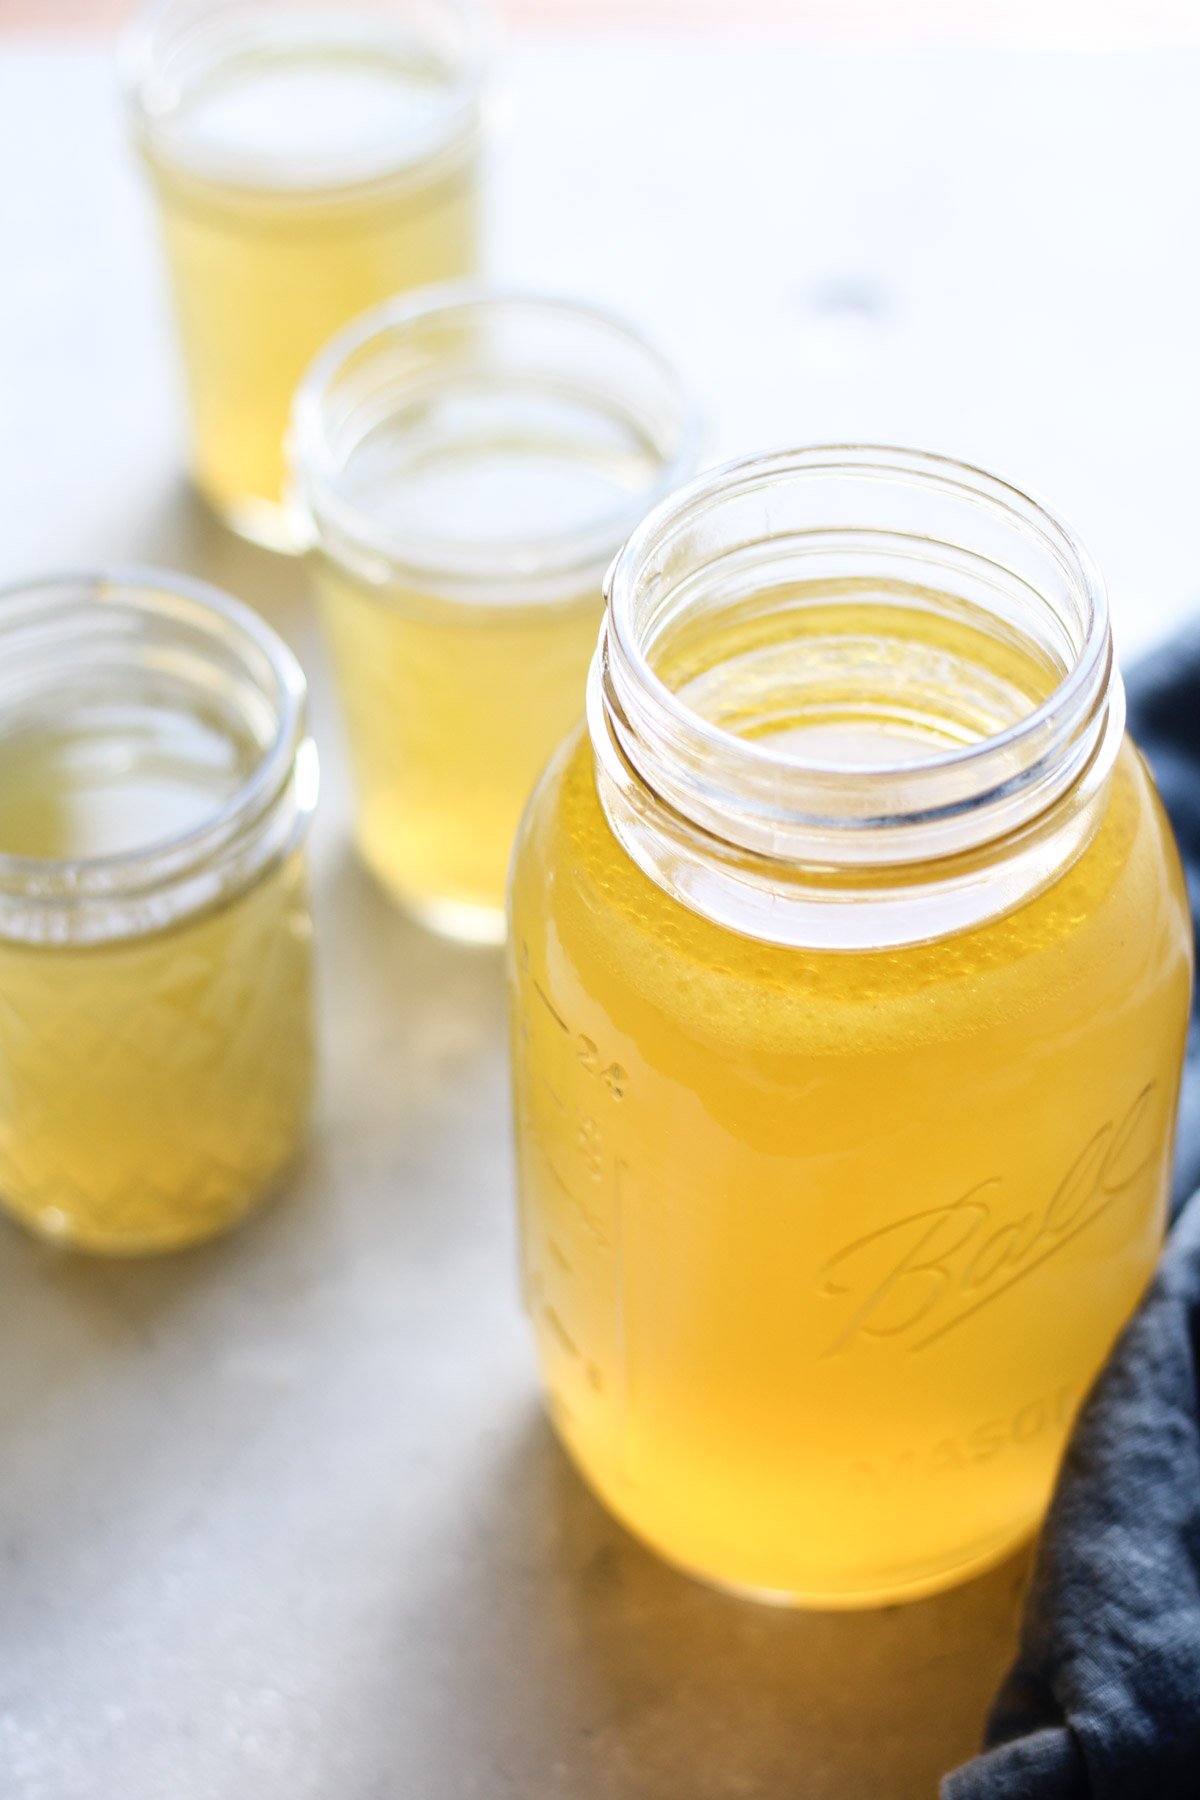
{"type": "Point", "coordinates": [308, 161]}
{"type": "Point", "coordinates": [156, 783]}
{"type": "Point", "coordinates": [467, 463]}
{"type": "Point", "coordinates": [851, 966]}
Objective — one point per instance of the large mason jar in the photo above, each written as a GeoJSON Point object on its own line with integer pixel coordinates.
{"type": "Point", "coordinates": [851, 966]}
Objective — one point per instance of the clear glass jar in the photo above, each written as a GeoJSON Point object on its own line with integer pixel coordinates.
{"type": "Point", "coordinates": [468, 462]}
{"type": "Point", "coordinates": [308, 161]}
{"type": "Point", "coordinates": [156, 784]}
{"type": "Point", "coordinates": [850, 963]}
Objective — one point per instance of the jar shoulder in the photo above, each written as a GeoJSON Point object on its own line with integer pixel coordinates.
{"type": "Point", "coordinates": [1115, 923]}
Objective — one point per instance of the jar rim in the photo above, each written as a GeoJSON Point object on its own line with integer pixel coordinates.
{"type": "Point", "coordinates": [166, 32]}
{"type": "Point", "coordinates": [746, 474]}
{"type": "Point", "coordinates": [538, 564]}
{"type": "Point", "coordinates": [756, 471]}
{"type": "Point", "coordinates": [785, 845]}
{"type": "Point", "coordinates": [208, 620]}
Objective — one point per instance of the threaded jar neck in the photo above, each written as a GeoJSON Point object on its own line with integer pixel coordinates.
{"type": "Point", "coordinates": [852, 673]}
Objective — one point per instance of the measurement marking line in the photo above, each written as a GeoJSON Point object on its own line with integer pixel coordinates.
{"type": "Point", "coordinates": [561, 1333]}
{"type": "Point", "coordinates": [559, 1256]}
{"type": "Point", "coordinates": [621, 1323]}
{"type": "Point", "coordinates": [560, 1103]}
{"type": "Point", "coordinates": [589, 1219]}
{"type": "Point", "coordinates": [549, 1005]}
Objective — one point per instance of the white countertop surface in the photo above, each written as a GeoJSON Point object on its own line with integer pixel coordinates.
{"type": "Point", "coordinates": [280, 1519]}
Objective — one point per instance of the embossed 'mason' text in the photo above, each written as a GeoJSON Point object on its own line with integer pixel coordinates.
{"type": "Point", "coordinates": [919, 1277]}
{"type": "Point", "coordinates": [973, 1447]}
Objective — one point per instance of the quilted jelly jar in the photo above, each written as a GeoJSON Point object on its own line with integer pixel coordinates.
{"type": "Point", "coordinates": [468, 462]}
{"type": "Point", "coordinates": [851, 965]}
{"type": "Point", "coordinates": [156, 784]}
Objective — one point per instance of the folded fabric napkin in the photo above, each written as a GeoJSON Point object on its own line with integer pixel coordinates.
{"type": "Point", "coordinates": [1103, 1701]}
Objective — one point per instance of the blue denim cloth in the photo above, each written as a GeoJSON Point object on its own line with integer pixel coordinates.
{"type": "Point", "coordinates": [1103, 1701]}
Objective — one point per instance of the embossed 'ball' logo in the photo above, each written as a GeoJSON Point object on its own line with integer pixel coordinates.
{"type": "Point", "coordinates": [920, 1277]}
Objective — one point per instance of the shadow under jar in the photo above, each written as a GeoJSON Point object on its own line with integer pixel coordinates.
{"type": "Point", "coordinates": [156, 784]}
{"type": "Point", "coordinates": [469, 462]}
{"type": "Point", "coordinates": [308, 161]}
{"type": "Point", "coordinates": [850, 965]}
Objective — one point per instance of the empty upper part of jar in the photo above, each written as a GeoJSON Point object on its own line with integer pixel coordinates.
{"type": "Point", "coordinates": [485, 446]}
{"type": "Point", "coordinates": [304, 95]}
{"type": "Point", "coordinates": [154, 756]}
{"type": "Point", "coordinates": [846, 675]}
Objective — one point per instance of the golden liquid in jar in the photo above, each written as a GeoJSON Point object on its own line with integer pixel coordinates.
{"type": "Point", "coordinates": [451, 713]}
{"type": "Point", "coordinates": [263, 276]}
{"type": "Point", "coordinates": [153, 1085]}
{"type": "Point", "coordinates": [823, 1249]}
{"type": "Point", "coordinates": [453, 706]}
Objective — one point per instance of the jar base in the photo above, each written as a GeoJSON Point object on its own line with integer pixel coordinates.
{"type": "Point", "coordinates": [51, 1225]}
{"type": "Point", "coordinates": [921, 1587]}
{"type": "Point", "coordinates": [267, 523]}
{"type": "Point", "coordinates": [892, 1592]}
{"type": "Point", "coordinates": [459, 921]}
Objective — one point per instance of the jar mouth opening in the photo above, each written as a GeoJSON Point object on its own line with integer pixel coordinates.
{"type": "Point", "coordinates": [850, 522]}
{"type": "Point", "coordinates": [104, 629]}
{"type": "Point", "coordinates": [492, 445]}
{"type": "Point", "coordinates": [174, 55]}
